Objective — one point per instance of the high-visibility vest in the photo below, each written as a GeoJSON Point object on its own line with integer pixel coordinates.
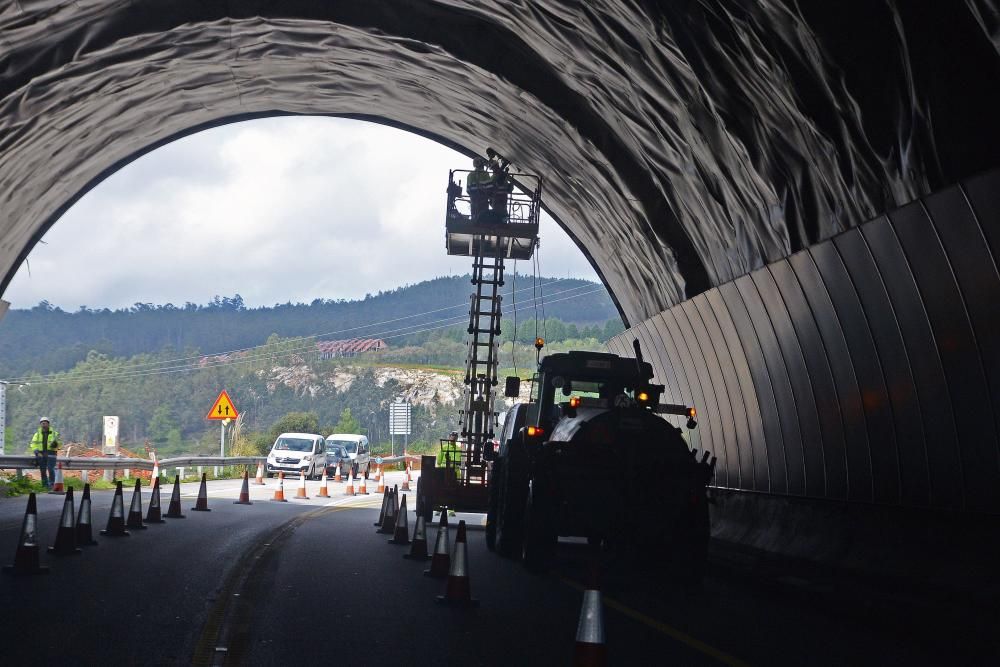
{"type": "Point", "coordinates": [480, 179]}
{"type": "Point", "coordinates": [36, 440]}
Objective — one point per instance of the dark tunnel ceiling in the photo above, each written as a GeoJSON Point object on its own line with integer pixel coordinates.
{"type": "Point", "coordinates": [684, 143]}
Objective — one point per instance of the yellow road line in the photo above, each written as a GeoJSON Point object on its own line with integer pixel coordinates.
{"type": "Point", "coordinates": [668, 630]}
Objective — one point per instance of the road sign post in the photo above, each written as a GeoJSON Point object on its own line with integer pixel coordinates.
{"type": "Point", "coordinates": [224, 411]}
{"type": "Point", "coordinates": [399, 422]}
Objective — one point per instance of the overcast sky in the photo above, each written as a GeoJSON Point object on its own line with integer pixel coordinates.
{"type": "Point", "coordinates": [279, 209]}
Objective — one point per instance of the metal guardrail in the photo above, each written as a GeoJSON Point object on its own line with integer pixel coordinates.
{"type": "Point", "coordinates": [121, 463]}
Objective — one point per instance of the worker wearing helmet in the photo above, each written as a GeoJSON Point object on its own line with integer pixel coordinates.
{"type": "Point", "coordinates": [479, 185]}
{"type": "Point", "coordinates": [45, 444]}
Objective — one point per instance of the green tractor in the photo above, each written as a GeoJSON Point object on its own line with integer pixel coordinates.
{"type": "Point", "coordinates": [566, 462]}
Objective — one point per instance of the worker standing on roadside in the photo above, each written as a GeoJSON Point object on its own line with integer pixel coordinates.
{"type": "Point", "coordinates": [450, 454]}
{"type": "Point", "coordinates": [45, 445]}
{"type": "Point", "coordinates": [479, 185]}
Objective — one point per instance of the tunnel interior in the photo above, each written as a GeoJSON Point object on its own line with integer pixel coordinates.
{"type": "Point", "coordinates": [791, 203]}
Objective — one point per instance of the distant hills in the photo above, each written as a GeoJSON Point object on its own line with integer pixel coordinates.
{"type": "Point", "coordinates": [47, 339]}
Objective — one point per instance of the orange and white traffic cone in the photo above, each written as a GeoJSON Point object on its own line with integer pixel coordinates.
{"type": "Point", "coordinates": [174, 509]}
{"type": "Point", "coordinates": [362, 487]}
{"type": "Point", "coordinates": [381, 483]}
{"type": "Point", "coordinates": [590, 649]}
{"type": "Point", "coordinates": [300, 493]}
{"type": "Point", "coordinates": [324, 489]}
{"type": "Point", "coordinates": [440, 559]}
{"type": "Point", "coordinates": [339, 477]}
{"type": "Point", "coordinates": [418, 547]}
{"type": "Point", "coordinates": [279, 493]}
{"type": "Point", "coordinates": [401, 531]}
{"type": "Point", "coordinates": [135, 509]}
{"type": "Point", "coordinates": [349, 489]}
{"type": "Point", "coordinates": [406, 480]}
{"type": "Point", "coordinates": [202, 503]}
{"type": "Point", "coordinates": [391, 511]}
{"type": "Point", "coordinates": [65, 544]}
{"type": "Point", "coordinates": [378, 473]}
{"type": "Point", "coordinates": [259, 479]}
{"type": "Point", "coordinates": [458, 592]}
{"type": "Point", "coordinates": [26, 555]}
{"type": "Point", "coordinates": [156, 472]}
{"type": "Point", "coordinates": [245, 491]}
{"type": "Point", "coordinates": [84, 531]}
{"type": "Point", "coordinates": [153, 513]}
{"type": "Point", "coordinates": [58, 487]}
{"type": "Point", "coordinates": [116, 520]}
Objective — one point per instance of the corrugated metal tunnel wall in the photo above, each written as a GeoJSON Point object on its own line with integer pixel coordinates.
{"type": "Point", "coordinates": [864, 368]}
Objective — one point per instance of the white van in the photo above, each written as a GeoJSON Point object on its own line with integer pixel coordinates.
{"type": "Point", "coordinates": [357, 448]}
{"type": "Point", "coordinates": [293, 453]}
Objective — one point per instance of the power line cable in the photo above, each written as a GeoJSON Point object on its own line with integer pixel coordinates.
{"type": "Point", "coordinates": [164, 362]}
{"type": "Point", "coordinates": [260, 356]}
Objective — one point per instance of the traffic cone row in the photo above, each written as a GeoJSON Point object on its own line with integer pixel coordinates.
{"type": "Point", "coordinates": [76, 528]}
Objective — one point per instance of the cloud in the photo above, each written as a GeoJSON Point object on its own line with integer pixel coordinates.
{"type": "Point", "coordinates": [277, 209]}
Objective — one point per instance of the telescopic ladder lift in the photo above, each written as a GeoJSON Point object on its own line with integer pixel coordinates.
{"type": "Point", "coordinates": [490, 239]}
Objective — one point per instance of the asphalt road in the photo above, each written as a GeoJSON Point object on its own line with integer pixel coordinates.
{"type": "Point", "coordinates": [310, 581]}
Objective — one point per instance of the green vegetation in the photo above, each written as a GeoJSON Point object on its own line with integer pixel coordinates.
{"type": "Point", "coordinates": [47, 339]}
{"type": "Point", "coordinates": [77, 367]}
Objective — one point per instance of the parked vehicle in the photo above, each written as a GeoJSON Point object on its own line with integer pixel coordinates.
{"type": "Point", "coordinates": [337, 454]}
{"type": "Point", "coordinates": [297, 452]}
{"type": "Point", "coordinates": [358, 452]}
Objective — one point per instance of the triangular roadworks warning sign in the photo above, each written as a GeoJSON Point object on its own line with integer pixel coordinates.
{"type": "Point", "coordinates": [223, 408]}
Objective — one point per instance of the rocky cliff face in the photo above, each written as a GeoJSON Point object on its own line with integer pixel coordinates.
{"type": "Point", "coordinates": [421, 387]}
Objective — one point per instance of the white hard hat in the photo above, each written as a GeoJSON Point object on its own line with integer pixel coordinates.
{"type": "Point", "coordinates": [44, 419]}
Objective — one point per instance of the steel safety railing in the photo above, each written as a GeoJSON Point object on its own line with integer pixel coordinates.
{"type": "Point", "coordinates": [28, 462]}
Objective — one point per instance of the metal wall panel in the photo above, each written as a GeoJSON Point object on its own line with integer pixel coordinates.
{"type": "Point", "coordinates": [874, 462]}
{"type": "Point", "coordinates": [754, 456]}
{"type": "Point", "coordinates": [905, 453]}
{"type": "Point", "coordinates": [856, 456]}
{"type": "Point", "coordinates": [678, 378]}
{"type": "Point", "coordinates": [976, 274]}
{"type": "Point", "coordinates": [773, 450]}
{"type": "Point", "coordinates": [823, 385]}
{"type": "Point", "coordinates": [865, 368]}
{"type": "Point", "coordinates": [784, 395]}
{"type": "Point", "coordinates": [701, 337]}
{"type": "Point", "coordinates": [943, 467]}
{"type": "Point", "coordinates": [959, 352]}
{"type": "Point", "coordinates": [740, 454]}
{"type": "Point", "coordinates": [810, 437]}
{"type": "Point", "coordinates": [710, 424]}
